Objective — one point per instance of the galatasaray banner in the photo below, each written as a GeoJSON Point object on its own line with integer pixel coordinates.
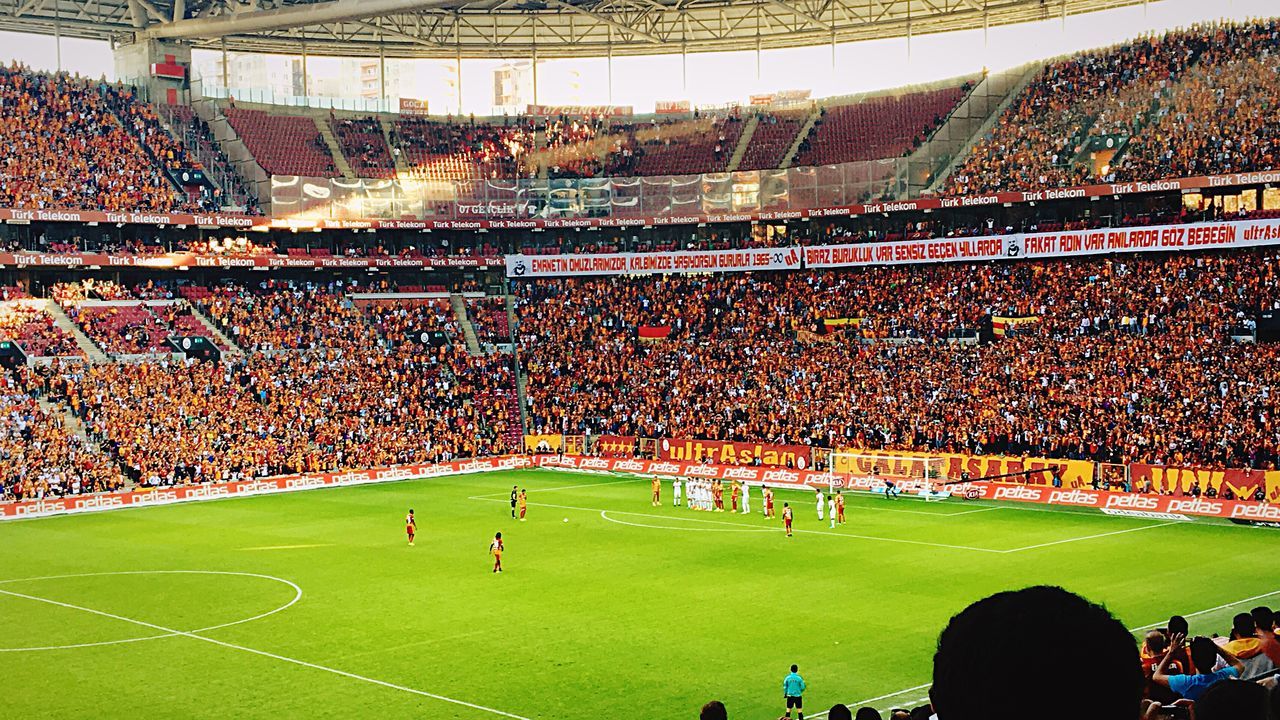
{"type": "Point", "coordinates": [1075, 243]}
{"type": "Point", "coordinates": [543, 443]}
{"type": "Point", "coordinates": [690, 261]}
{"type": "Point", "coordinates": [1243, 484]}
{"type": "Point", "coordinates": [264, 486]}
{"type": "Point", "coordinates": [718, 452]}
{"type": "Point", "coordinates": [1075, 473]}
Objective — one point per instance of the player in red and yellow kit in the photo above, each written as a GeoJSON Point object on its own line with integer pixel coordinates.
{"type": "Point", "coordinates": [768, 503]}
{"type": "Point", "coordinates": [786, 517]}
{"type": "Point", "coordinates": [839, 508]}
{"type": "Point", "coordinates": [495, 549]}
{"type": "Point", "coordinates": [657, 490]}
{"type": "Point", "coordinates": [410, 526]}
{"type": "Point", "coordinates": [733, 495]}
{"type": "Point", "coordinates": [523, 504]}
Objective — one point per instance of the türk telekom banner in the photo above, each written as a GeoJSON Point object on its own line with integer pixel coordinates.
{"type": "Point", "coordinates": [1113, 503]}
{"type": "Point", "coordinates": [1236, 483]}
{"type": "Point", "coordinates": [264, 486]}
{"type": "Point", "coordinates": [683, 261]}
{"type": "Point", "coordinates": [1074, 473]}
{"type": "Point", "coordinates": [718, 452]}
{"type": "Point", "coordinates": [1070, 243]}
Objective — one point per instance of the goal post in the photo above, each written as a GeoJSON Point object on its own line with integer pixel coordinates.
{"type": "Point", "coordinates": [868, 472]}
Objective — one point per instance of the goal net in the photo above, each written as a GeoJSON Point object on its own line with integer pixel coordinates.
{"type": "Point", "coordinates": [873, 472]}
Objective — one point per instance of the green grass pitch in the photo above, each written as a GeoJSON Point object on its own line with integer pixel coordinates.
{"type": "Point", "coordinates": [625, 611]}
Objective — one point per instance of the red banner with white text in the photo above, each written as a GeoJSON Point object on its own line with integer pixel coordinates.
{"type": "Point", "coordinates": [264, 486]}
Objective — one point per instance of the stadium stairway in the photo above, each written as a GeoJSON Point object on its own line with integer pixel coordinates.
{"type": "Point", "coordinates": [242, 161]}
{"type": "Point", "coordinates": [87, 346]}
{"type": "Point", "coordinates": [385, 123]}
{"type": "Point", "coordinates": [790, 157]}
{"type": "Point", "coordinates": [459, 305]}
{"type": "Point", "coordinates": [744, 140]}
{"type": "Point", "coordinates": [983, 108]}
{"type": "Point", "coordinates": [522, 383]}
{"type": "Point", "coordinates": [335, 150]}
{"type": "Point", "coordinates": [221, 337]}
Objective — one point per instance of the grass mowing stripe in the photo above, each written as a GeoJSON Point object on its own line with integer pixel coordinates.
{"type": "Point", "coordinates": [739, 525]}
{"type": "Point", "coordinates": [1094, 537]}
{"type": "Point", "coordinates": [1224, 606]}
{"type": "Point", "coordinates": [264, 653]}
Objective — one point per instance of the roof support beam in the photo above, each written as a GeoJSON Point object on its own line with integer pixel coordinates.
{"type": "Point", "coordinates": [801, 13]}
{"type": "Point", "coordinates": [290, 16]}
{"type": "Point", "coordinates": [605, 19]}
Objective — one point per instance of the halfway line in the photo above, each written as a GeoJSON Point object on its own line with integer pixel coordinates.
{"type": "Point", "coordinates": [264, 653]}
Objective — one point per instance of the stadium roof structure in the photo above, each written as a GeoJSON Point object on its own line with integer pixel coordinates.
{"type": "Point", "coordinates": [520, 28]}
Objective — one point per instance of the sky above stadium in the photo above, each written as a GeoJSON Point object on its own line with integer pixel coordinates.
{"type": "Point", "coordinates": [640, 82]}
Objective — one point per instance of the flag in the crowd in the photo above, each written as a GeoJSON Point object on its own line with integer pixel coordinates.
{"type": "Point", "coordinates": [1001, 326]}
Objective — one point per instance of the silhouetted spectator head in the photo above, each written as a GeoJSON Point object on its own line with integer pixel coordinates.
{"type": "Point", "coordinates": [1264, 618]}
{"type": "Point", "coordinates": [866, 713]}
{"type": "Point", "coordinates": [714, 710]}
{"type": "Point", "coordinates": [1234, 700]}
{"type": "Point", "coordinates": [924, 712]}
{"type": "Point", "coordinates": [1178, 626]}
{"type": "Point", "coordinates": [1242, 626]}
{"type": "Point", "coordinates": [1204, 653]}
{"type": "Point", "coordinates": [976, 673]}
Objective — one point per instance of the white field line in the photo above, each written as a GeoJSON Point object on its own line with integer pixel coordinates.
{"type": "Point", "coordinates": [1091, 537]}
{"type": "Point", "coordinates": [604, 514]}
{"type": "Point", "coordinates": [1216, 608]}
{"type": "Point", "coordinates": [289, 547]}
{"type": "Point", "coordinates": [739, 525]}
{"type": "Point", "coordinates": [264, 653]}
{"type": "Point", "coordinates": [297, 595]}
{"type": "Point", "coordinates": [505, 494]}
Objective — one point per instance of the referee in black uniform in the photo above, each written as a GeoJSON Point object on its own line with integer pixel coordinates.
{"type": "Point", "coordinates": [515, 493]}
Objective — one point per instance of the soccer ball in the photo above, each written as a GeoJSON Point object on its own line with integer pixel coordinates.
{"type": "Point", "coordinates": [566, 519]}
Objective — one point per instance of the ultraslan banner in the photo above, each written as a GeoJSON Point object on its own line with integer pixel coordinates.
{"type": "Point", "coordinates": [682, 261]}
{"type": "Point", "coordinates": [1115, 503]}
{"type": "Point", "coordinates": [264, 486]}
{"type": "Point", "coordinates": [737, 453]}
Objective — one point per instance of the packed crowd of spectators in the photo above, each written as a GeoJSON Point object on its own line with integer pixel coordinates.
{"type": "Point", "coordinates": [66, 149]}
{"type": "Point", "coordinates": [39, 457]}
{"type": "Point", "coordinates": [35, 331]}
{"type": "Point", "coordinates": [1193, 102]}
{"type": "Point", "coordinates": [1130, 360]}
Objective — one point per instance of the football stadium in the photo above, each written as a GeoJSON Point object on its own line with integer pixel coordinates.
{"type": "Point", "coordinates": [640, 359]}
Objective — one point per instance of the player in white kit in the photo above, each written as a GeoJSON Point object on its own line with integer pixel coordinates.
{"type": "Point", "coordinates": [831, 510]}
{"type": "Point", "coordinates": [821, 506]}
{"type": "Point", "coordinates": [746, 498]}
{"type": "Point", "coordinates": [675, 492]}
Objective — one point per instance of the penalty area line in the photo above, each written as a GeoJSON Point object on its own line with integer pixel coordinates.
{"type": "Point", "coordinates": [264, 653]}
{"type": "Point", "coordinates": [852, 536]}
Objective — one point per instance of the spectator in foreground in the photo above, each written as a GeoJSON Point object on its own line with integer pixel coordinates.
{"type": "Point", "coordinates": [976, 671]}
{"type": "Point", "coordinates": [1235, 700]}
{"type": "Point", "coordinates": [840, 711]}
{"type": "Point", "coordinates": [714, 710]}
{"type": "Point", "coordinates": [1204, 654]}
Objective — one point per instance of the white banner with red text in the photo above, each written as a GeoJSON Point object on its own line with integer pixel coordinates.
{"type": "Point", "coordinates": [247, 488]}
{"type": "Point", "coordinates": [1067, 243]}
{"type": "Point", "coordinates": [682, 261]}
{"type": "Point", "coordinates": [1114, 503]}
